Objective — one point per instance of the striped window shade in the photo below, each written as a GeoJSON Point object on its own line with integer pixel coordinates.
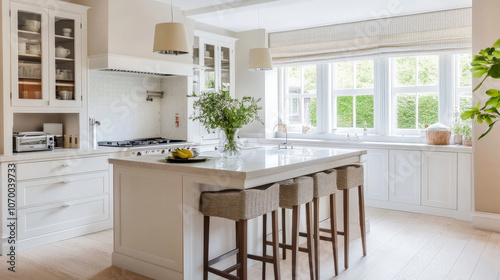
{"type": "Point", "coordinates": [435, 32]}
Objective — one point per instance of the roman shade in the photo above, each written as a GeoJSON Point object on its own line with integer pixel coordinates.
{"type": "Point", "coordinates": [434, 32]}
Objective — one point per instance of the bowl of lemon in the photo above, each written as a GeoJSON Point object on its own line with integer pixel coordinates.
{"type": "Point", "coordinates": [185, 156]}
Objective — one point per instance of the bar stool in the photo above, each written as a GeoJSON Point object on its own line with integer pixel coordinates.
{"type": "Point", "coordinates": [294, 193]}
{"type": "Point", "coordinates": [325, 184]}
{"type": "Point", "coordinates": [349, 177]}
{"type": "Point", "coordinates": [240, 206]}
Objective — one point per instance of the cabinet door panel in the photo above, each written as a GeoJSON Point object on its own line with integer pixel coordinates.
{"type": "Point", "coordinates": [376, 175]}
{"type": "Point", "coordinates": [29, 29]}
{"type": "Point", "coordinates": [439, 179]}
{"type": "Point", "coordinates": [404, 176]}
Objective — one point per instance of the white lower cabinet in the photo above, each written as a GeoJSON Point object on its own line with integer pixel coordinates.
{"type": "Point", "coordinates": [404, 176]}
{"type": "Point", "coordinates": [428, 182]}
{"type": "Point", "coordinates": [60, 199]}
{"type": "Point", "coordinates": [439, 179]}
{"type": "Point", "coordinates": [376, 175]}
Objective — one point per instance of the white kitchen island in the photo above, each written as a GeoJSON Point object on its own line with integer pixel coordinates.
{"type": "Point", "coordinates": [158, 229]}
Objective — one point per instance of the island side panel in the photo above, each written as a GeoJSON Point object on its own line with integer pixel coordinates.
{"type": "Point", "coordinates": [148, 224]}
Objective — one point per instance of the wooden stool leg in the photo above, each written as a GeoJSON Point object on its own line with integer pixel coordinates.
{"type": "Point", "coordinates": [333, 227]}
{"type": "Point", "coordinates": [238, 242]}
{"type": "Point", "coordinates": [346, 228]}
{"type": "Point", "coordinates": [310, 249]}
{"type": "Point", "coordinates": [316, 236]}
{"type": "Point", "coordinates": [206, 231]}
{"type": "Point", "coordinates": [276, 251]}
{"type": "Point", "coordinates": [295, 240]}
{"type": "Point", "coordinates": [283, 231]}
{"type": "Point", "coordinates": [361, 198]}
{"type": "Point", "coordinates": [243, 249]}
{"type": "Point", "coordinates": [264, 246]}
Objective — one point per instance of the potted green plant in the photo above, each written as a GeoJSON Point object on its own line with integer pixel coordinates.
{"type": "Point", "coordinates": [218, 110]}
{"type": "Point", "coordinates": [486, 64]}
{"type": "Point", "coordinates": [467, 133]}
{"type": "Point", "coordinates": [462, 131]}
{"type": "Point", "coordinates": [456, 129]}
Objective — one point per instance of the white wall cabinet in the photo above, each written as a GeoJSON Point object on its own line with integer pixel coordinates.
{"type": "Point", "coordinates": [213, 69]}
{"type": "Point", "coordinates": [47, 58]}
{"type": "Point", "coordinates": [439, 179]}
{"type": "Point", "coordinates": [404, 176]}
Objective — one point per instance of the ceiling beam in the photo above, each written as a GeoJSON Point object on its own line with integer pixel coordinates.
{"type": "Point", "coordinates": [222, 8]}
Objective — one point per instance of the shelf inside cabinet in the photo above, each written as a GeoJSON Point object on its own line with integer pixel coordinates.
{"type": "Point", "coordinates": [30, 81]}
{"type": "Point", "coordinates": [62, 39]}
{"type": "Point", "coordinates": [30, 57]}
{"type": "Point", "coordinates": [65, 83]}
{"type": "Point", "coordinates": [25, 33]}
{"type": "Point", "coordinates": [65, 59]}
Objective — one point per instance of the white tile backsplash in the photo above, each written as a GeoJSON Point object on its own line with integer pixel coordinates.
{"type": "Point", "coordinates": [118, 101]}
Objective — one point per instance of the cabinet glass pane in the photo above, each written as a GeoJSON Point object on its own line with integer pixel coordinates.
{"type": "Point", "coordinates": [209, 66]}
{"type": "Point", "coordinates": [65, 58]}
{"type": "Point", "coordinates": [225, 68]}
{"type": "Point", "coordinates": [29, 55]}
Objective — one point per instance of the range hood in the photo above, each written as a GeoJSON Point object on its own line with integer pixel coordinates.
{"type": "Point", "coordinates": [121, 35]}
{"type": "Point", "coordinates": [139, 65]}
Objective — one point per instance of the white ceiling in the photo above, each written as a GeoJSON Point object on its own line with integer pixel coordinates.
{"type": "Point", "coordinates": [278, 15]}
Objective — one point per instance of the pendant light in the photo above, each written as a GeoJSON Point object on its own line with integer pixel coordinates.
{"type": "Point", "coordinates": [260, 58]}
{"type": "Point", "coordinates": [171, 37]}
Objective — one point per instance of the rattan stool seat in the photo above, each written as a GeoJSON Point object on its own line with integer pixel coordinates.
{"type": "Point", "coordinates": [241, 204]}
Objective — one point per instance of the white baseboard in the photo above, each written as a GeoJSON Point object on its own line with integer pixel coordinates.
{"type": "Point", "coordinates": [486, 221]}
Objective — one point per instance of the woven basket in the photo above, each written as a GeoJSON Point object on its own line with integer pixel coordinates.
{"type": "Point", "coordinates": [435, 137]}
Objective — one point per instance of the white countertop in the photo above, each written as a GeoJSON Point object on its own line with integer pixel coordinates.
{"type": "Point", "coordinates": [57, 154]}
{"type": "Point", "coordinates": [251, 164]}
{"type": "Point", "coordinates": [352, 144]}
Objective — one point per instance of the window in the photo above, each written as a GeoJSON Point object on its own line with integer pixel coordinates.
{"type": "Point", "coordinates": [353, 95]}
{"type": "Point", "coordinates": [300, 97]}
{"type": "Point", "coordinates": [415, 93]}
{"type": "Point", "coordinates": [388, 96]}
{"type": "Point", "coordinates": [463, 83]}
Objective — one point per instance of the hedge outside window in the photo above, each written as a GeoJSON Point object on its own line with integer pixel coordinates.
{"type": "Point", "coordinates": [389, 96]}
{"type": "Point", "coordinates": [464, 83]}
{"type": "Point", "coordinates": [353, 85]}
{"type": "Point", "coordinates": [416, 92]}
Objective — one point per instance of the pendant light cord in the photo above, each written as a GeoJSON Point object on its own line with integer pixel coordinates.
{"type": "Point", "coordinates": [258, 14]}
{"type": "Point", "coordinates": [171, 10]}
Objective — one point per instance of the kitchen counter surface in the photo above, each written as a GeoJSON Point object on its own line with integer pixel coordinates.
{"type": "Point", "coordinates": [58, 154]}
{"type": "Point", "coordinates": [252, 164]}
{"type": "Point", "coordinates": [353, 144]}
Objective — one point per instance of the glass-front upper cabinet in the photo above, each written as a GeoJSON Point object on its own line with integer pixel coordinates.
{"type": "Point", "coordinates": [213, 62]}
{"type": "Point", "coordinates": [30, 51]}
{"type": "Point", "coordinates": [46, 57]}
{"type": "Point", "coordinates": [66, 49]}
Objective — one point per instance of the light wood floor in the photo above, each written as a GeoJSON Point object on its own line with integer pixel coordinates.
{"type": "Point", "coordinates": [401, 245]}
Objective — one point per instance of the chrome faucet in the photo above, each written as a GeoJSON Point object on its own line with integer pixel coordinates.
{"type": "Point", "coordinates": [356, 136]}
{"type": "Point", "coordinates": [283, 145]}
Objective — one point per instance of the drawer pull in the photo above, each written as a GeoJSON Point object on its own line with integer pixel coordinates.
{"type": "Point", "coordinates": [66, 205]}
{"type": "Point", "coordinates": [64, 181]}
{"type": "Point", "coordinates": [64, 165]}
